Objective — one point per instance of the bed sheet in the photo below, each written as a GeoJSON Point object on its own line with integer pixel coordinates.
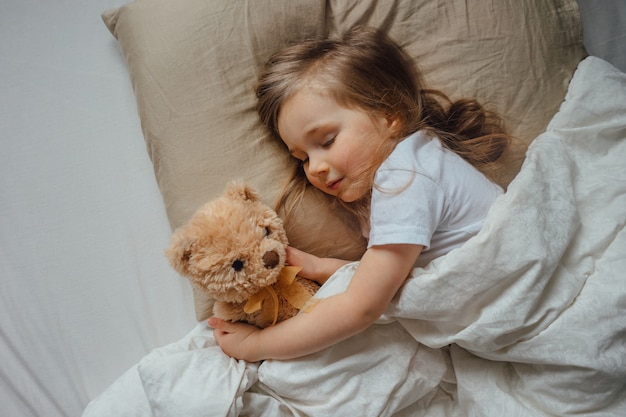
{"type": "Point", "coordinates": [604, 30]}
{"type": "Point", "coordinates": [85, 290]}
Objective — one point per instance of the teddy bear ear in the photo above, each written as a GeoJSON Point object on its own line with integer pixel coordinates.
{"type": "Point", "coordinates": [241, 190]}
{"type": "Point", "coordinates": [179, 253]}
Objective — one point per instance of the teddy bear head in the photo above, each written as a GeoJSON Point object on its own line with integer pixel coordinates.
{"type": "Point", "coordinates": [232, 247]}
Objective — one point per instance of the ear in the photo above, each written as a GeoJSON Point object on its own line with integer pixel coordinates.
{"type": "Point", "coordinates": [393, 123]}
{"type": "Point", "coordinates": [239, 190]}
{"type": "Point", "coordinates": [179, 252]}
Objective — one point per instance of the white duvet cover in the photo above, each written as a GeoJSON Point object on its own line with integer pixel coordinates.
{"type": "Point", "coordinates": [526, 319]}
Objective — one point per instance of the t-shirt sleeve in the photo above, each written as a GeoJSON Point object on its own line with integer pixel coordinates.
{"type": "Point", "coordinates": [406, 208]}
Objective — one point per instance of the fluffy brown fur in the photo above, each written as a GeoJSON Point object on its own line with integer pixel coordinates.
{"type": "Point", "coordinates": [232, 248]}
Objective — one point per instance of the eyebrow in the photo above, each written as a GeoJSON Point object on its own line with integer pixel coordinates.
{"type": "Point", "coordinates": [309, 132]}
{"type": "Point", "coordinates": [313, 130]}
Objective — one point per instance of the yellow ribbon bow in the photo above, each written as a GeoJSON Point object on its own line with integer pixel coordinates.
{"type": "Point", "coordinates": [290, 289]}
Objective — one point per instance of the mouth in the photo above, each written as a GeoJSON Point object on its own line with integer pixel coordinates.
{"type": "Point", "coordinates": [334, 185]}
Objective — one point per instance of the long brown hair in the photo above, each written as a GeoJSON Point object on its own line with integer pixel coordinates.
{"type": "Point", "coordinates": [365, 69]}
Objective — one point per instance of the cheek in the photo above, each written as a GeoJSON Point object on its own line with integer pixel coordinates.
{"type": "Point", "coordinates": [352, 160]}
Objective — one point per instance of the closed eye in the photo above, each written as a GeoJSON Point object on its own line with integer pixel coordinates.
{"type": "Point", "coordinates": [328, 142]}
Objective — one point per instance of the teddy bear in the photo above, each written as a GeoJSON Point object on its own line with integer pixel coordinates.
{"type": "Point", "coordinates": [234, 249]}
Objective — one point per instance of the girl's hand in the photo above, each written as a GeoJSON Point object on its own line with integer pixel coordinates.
{"type": "Point", "coordinates": [313, 267]}
{"type": "Point", "coordinates": [304, 260]}
{"type": "Point", "coordinates": [237, 340]}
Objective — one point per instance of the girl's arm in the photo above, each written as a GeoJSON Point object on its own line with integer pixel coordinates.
{"type": "Point", "coordinates": [378, 277]}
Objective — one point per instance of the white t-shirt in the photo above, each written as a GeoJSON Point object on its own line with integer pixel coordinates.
{"type": "Point", "coordinates": [427, 195]}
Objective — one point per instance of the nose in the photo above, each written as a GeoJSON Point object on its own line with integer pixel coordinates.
{"type": "Point", "coordinates": [317, 166]}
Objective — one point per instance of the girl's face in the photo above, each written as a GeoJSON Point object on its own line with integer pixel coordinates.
{"type": "Point", "coordinates": [334, 143]}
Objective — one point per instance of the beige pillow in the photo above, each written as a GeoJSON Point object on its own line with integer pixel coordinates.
{"type": "Point", "coordinates": [193, 64]}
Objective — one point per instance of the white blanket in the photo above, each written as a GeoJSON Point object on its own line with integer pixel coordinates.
{"type": "Point", "coordinates": [526, 319]}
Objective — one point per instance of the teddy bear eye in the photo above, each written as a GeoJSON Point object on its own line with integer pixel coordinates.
{"type": "Point", "coordinates": [267, 231]}
{"type": "Point", "coordinates": [237, 265]}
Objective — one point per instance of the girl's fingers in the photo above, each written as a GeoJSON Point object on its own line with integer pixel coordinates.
{"type": "Point", "coordinates": [218, 324]}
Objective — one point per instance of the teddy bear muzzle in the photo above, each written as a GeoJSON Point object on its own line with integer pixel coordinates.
{"type": "Point", "coordinates": [270, 259]}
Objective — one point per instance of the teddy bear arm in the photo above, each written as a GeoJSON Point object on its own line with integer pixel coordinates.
{"type": "Point", "coordinates": [235, 312]}
{"type": "Point", "coordinates": [229, 311]}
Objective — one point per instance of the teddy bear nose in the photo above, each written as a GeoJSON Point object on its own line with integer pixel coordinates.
{"type": "Point", "coordinates": [270, 259]}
